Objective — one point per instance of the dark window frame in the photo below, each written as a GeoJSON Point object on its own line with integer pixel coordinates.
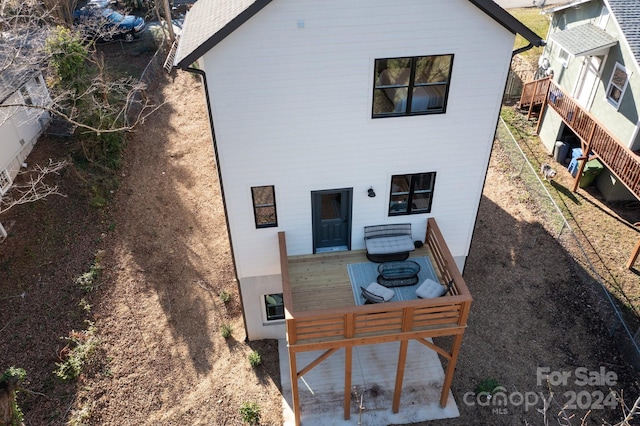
{"type": "Point", "coordinates": [414, 179]}
{"type": "Point", "coordinates": [274, 311]}
{"type": "Point", "coordinates": [257, 207]}
{"type": "Point", "coordinates": [411, 85]}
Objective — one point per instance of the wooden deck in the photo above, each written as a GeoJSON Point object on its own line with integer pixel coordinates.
{"type": "Point", "coordinates": [321, 281]}
{"type": "Point", "coordinates": [594, 136]}
{"type": "Point", "coordinates": [315, 323]}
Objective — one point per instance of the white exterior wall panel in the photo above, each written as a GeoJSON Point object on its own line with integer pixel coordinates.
{"type": "Point", "coordinates": [292, 108]}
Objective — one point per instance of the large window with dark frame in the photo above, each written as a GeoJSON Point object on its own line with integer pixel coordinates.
{"type": "Point", "coordinates": [264, 206]}
{"type": "Point", "coordinates": [411, 193]}
{"type": "Point", "coordinates": [411, 86]}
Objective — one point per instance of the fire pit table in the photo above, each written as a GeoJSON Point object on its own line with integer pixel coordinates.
{"type": "Point", "coordinates": [398, 274]}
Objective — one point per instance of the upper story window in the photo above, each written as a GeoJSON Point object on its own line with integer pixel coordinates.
{"type": "Point", "coordinates": [411, 194]}
{"type": "Point", "coordinates": [411, 86]}
{"type": "Point", "coordinates": [617, 85]}
{"type": "Point", "coordinates": [264, 206]}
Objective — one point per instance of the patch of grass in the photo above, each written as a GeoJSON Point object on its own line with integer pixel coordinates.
{"type": "Point", "coordinates": [488, 385]}
{"type": "Point", "coordinates": [226, 330]}
{"type": "Point", "coordinates": [539, 24]}
{"type": "Point", "coordinates": [84, 304]}
{"type": "Point", "coordinates": [87, 281]}
{"type": "Point", "coordinates": [224, 296]}
{"type": "Point", "coordinates": [250, 412]}
{"type": "Point", "coordinates": [255, 359]}
{"type": "Point", "coordinates": [81, 416]}
{"type": "Point", "coordinates": [81, 346]}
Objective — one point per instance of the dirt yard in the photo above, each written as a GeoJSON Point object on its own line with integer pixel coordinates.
{"type": "Point", "coordinates": [163, 255]}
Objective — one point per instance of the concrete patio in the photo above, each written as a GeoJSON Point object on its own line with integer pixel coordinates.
{"type": "Point", "coordinates": [374, 372]}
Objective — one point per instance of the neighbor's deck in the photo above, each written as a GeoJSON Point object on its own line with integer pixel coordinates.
{"type": "Point", "coordinates": [321, 281]}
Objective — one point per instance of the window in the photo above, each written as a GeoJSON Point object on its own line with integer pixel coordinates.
{"type": "Point", "coordinates": [563, 56]}
{"type": "Point", "coordinates": [5, 182]}
{"type": "Point", "coordinates": [411, 194]}
{"type": "Point", "coordinates": [411, 86]}
{"type": "Point", "coordinates": [25, 96]}
{"type": "Point", "coordinates": [274, 305]}
{"type": "Point", "coordinates": [617, 85]}
{"type": "Point", "coordinates": [264, 206]}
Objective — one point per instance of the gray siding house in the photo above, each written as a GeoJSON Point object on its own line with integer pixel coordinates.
{"type": "Point", "coordinates": [593, 58]}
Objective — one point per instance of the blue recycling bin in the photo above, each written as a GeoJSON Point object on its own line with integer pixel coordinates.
{"type": "Point", "coordinates": [574, 165]}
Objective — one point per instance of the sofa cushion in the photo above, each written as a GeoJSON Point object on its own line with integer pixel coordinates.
{"type": "Point", "coordinates": [387, 245]}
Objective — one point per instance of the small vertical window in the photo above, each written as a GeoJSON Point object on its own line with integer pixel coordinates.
{"type": "Point", "coordinates": [411, 194]}
{"type": "Point", "coordinates": [264, 206]}
{"type": "Point", "coordinates": [25, 96]}
{"type": "Point", "coordinates": [563, 56]}
{"type": "Point", "coordinates": [274, 306]}
{"type": "Point", "coordinates": [617, 85]}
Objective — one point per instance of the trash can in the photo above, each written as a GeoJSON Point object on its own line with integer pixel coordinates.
{"type": "Point", "coordinates": [561, 151]}
{"type": "Point", "coordinates": [591, 170]}
{"type": "Point", "coordinates": [574, 165]}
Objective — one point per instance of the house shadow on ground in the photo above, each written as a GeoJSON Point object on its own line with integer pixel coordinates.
{"type": "Point", "coordinates": [532, 308]}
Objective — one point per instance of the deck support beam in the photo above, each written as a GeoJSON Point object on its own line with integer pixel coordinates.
{"type": "Point", "coordinates": [402, 360]}
{"type": "Point", "coordinates": [348, 361]}
{"type": "Point", "coordinates": [634, 256]}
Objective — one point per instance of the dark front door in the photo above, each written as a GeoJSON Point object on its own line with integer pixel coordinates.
{"type": "Point", "coordinates": [331, 211]}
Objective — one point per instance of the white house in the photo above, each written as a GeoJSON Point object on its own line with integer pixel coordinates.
{"type": "Point", "coordinates": [316, 106]}
{"type": "Point", "coordinates": [20, 125]}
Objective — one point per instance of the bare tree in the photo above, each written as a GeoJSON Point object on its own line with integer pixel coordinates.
{"type": "Point", "coordinates": [39, 39]}
{"type": "Point", "coordinates": [33, 185]}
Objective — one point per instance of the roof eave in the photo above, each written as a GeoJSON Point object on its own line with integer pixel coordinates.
{"type": "Point", "coordinates": [509, 22]}
{"type": "Point", "coordinates": [220, 35]}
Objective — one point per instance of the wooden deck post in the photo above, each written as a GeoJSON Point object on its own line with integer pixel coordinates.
{"type": "Point", "coordinates": [634, 256]}
{"type": "Point", "coordinates": [402, 360]}
{"type": "Point", "coordinates": [448, 376]}
{"type": "Point", "coordinates": [293, 372]}
{"type": "Point", "coordinates": [348, 360]}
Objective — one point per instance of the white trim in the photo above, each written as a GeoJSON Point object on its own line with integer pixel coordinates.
{"type": "Point", "coordinates": [613, 102]}
{"type": "Point", "coordinates": [603, 19]}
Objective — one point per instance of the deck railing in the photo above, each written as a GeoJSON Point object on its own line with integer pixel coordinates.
{"type": "Point", "coordinates": [380, 322]}
{"type": "Point", "coordinates": [620, 160]}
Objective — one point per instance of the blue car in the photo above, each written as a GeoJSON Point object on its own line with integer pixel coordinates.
{"type": "Point", "coordinates": [107, 24]}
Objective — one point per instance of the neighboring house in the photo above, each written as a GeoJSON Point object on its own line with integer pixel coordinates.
{"type": "Point", "coordinates": [331, 116]}
{"type": "Point", "coordinates": [593, 56]}
{"type": "Point", "coordinates": [20, 125]}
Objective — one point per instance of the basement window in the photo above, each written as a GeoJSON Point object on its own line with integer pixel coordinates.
{"type": "Point", "coordinates": [274, 306]}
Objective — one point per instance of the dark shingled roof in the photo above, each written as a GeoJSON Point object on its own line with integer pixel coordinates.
{"type": "Point", "coordinates": [627, 14]}
{"type": "Point", "coordinates": [210, 21]}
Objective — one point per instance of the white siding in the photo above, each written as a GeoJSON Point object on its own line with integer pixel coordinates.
{"type": "Point", "coordinates": [292, 108]}
{"type": "Point", "coordinates": [21, 127]}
